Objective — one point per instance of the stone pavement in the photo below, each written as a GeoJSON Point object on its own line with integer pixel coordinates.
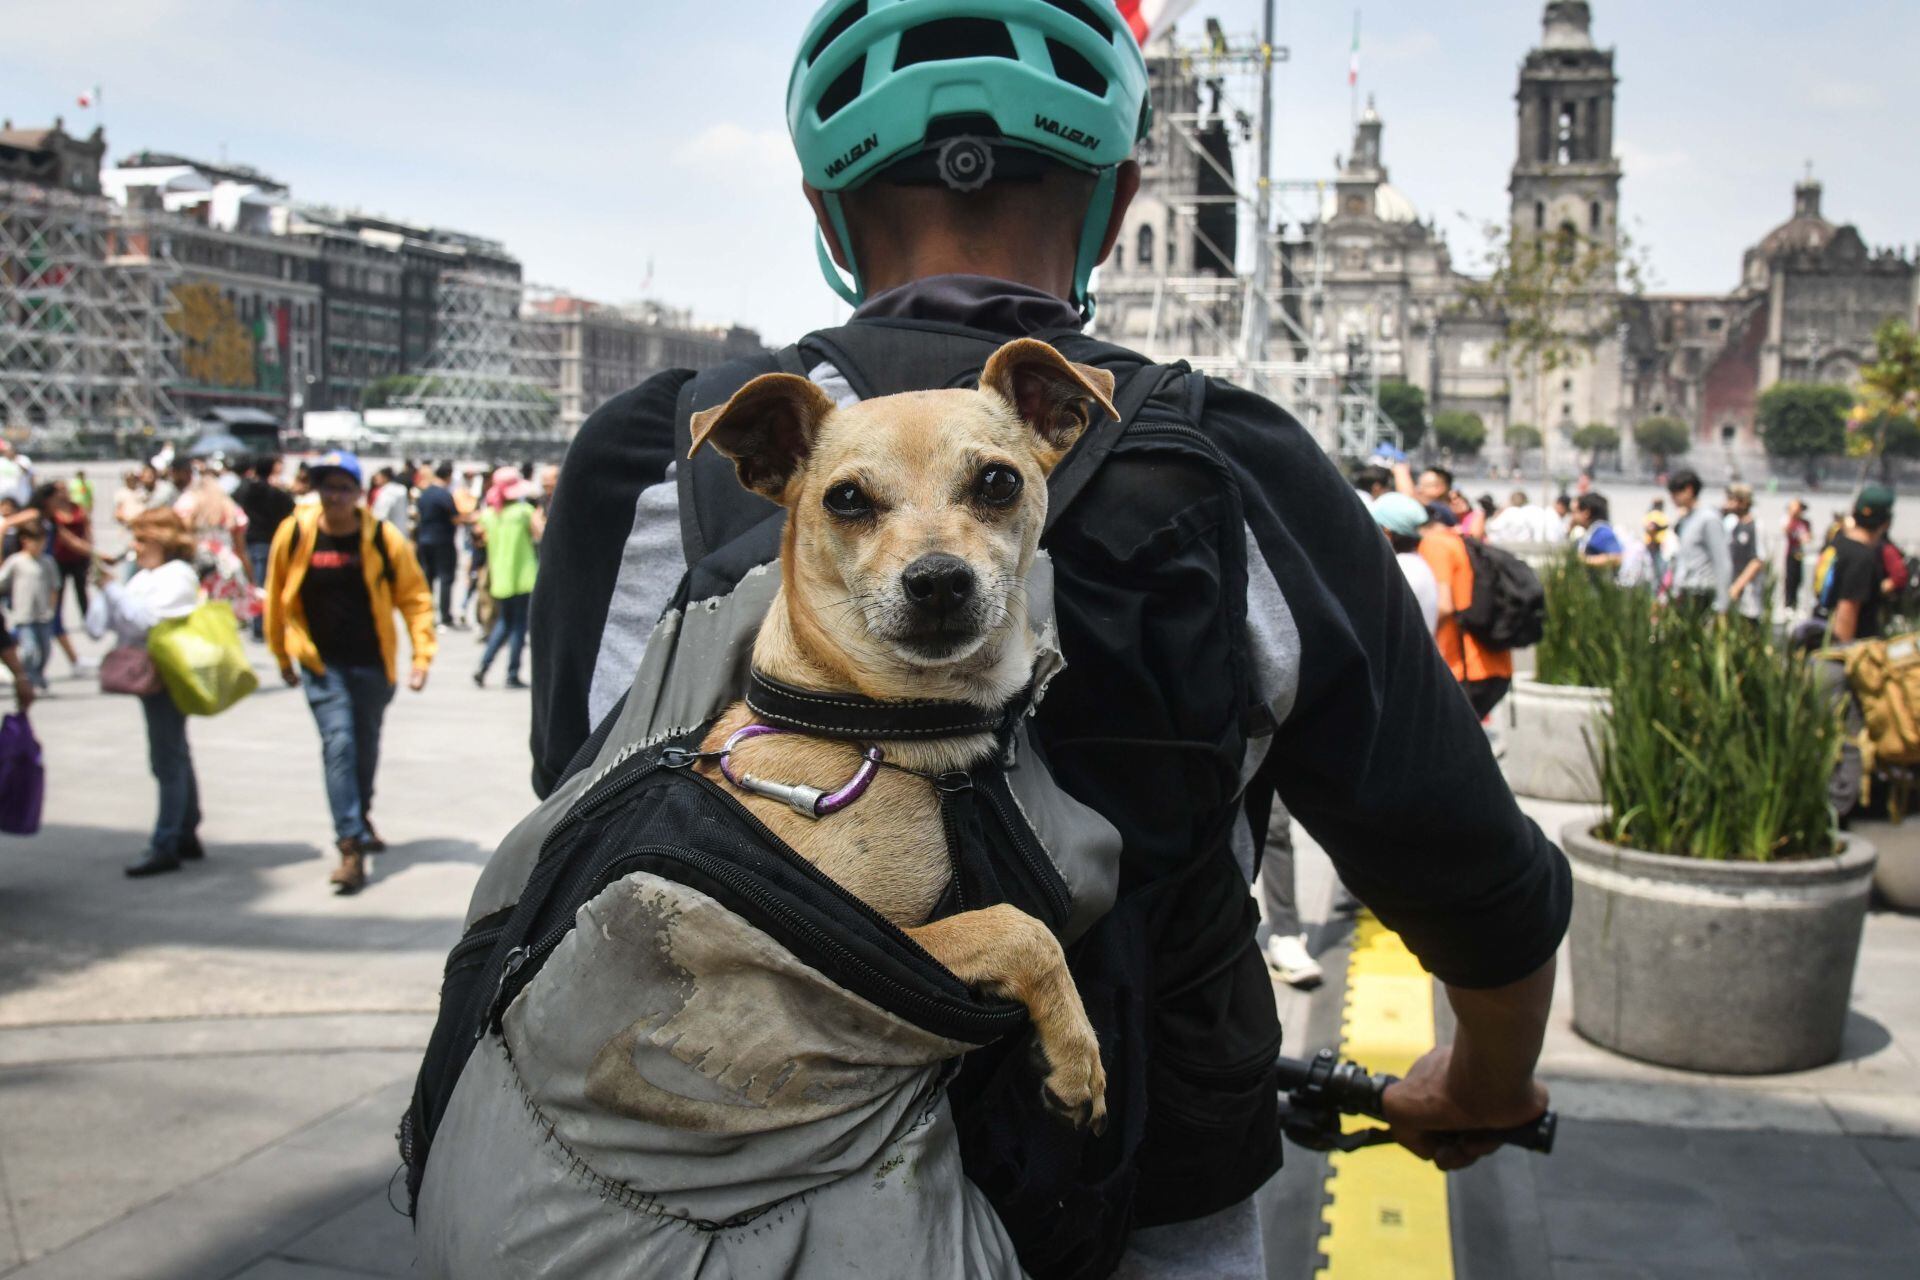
{"type": "Point", "coordinates": [200, 1074]}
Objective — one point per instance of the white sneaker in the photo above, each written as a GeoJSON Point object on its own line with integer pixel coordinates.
{"type": "Point", "coordinates": [1288, 956]}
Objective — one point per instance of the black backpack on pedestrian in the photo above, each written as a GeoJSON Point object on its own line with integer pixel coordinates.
{"type": "Point", "coordinates": [1509, 608]}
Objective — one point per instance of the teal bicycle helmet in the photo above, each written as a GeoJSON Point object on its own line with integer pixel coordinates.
{"type": "Point", "coordinates": [879, 82]}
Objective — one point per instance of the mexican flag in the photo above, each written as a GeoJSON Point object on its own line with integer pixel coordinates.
{"type": "Point", "coordinates": [1353, 59]}
{"type": "Point", "coordinates": [1151, 19]}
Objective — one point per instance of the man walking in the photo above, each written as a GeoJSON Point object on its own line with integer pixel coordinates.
{"type": "Point", "coordinates": [1852, 595]}
{"type": "Point", "coordinates": [265, 505]}
{"type": "Point", "coordinates": [437, 516]}
{"type": "Point", "coordinates": [1796, 533]}
{"type": "Point", "coordinates": [336, 577]}
{"type": "Point", "coordinates": [1284, 646]}
{"type": "Point", "coordinates": [1702, 564]}
{"type": "Point", "coordinates": [1748, 554]}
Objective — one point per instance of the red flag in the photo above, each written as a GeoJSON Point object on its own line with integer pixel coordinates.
{"type": "Point", "coordinates": [90, 97]}
{"type": "Point", "coordinates": [1150, 19]}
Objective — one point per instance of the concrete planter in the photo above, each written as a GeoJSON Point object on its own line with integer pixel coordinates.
{"type": "Point", "coordinates": [1548, 729]}
{"type": "Point", "coordinates": [1897, 874]}
{"type": "Point", "coordinates": [1734, 967]}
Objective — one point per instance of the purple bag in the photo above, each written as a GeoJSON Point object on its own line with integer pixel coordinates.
{"type": "Point", "coordinates": [23, 779]}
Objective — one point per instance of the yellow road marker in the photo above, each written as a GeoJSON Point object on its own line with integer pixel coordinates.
{"type": "Point", "coordinates": [1387, 1216]}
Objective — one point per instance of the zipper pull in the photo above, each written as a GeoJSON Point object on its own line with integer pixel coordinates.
{"type": "Point", "coordinates": [516, 961]}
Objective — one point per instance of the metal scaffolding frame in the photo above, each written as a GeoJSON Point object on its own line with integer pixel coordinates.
{"type": "Point", "coordinates": [487, 385]}
{"type": "Point", "coordinates": [1263, 327]}
{"type": "Point", "coordinates": [84, 298]}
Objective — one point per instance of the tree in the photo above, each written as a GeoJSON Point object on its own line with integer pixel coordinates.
{"type": "Point", "coordinates": [1596, 438]}
{"type": "Point", "coordinates": [1522, 436]}
{"type": "Point", "coordinates": [1804, 420]}
{"type": "Point", "coordinates": [1558, 293]}
{"type": "Point", "coordinates": [1663, 438]}
{"type": "Point", "coordinates": [382, 392]}
{"type": "Point", "coordinates": [1459, 432]}
{"type": "Point", "coordinates": [1885, 419]}
{"type": "Point", "coordinates": [1406, 407]}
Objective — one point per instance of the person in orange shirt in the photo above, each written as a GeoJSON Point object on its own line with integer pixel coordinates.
{"type": "Point", "coordinates": [1484, 674]}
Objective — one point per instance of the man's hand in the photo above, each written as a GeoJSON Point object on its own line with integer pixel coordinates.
{"type": "Point", "coordinates": [1431, 1101]}
{"type": "Point", "coordinates": [291, 674]}
{"type": "Point", "coordinates": [417, 679]}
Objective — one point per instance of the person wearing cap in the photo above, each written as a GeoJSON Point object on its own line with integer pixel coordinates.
{"type": "Point", "coordinates": [1851, 597]}
{"type": "Point", "coordinates": [336, 577]}
{"type": "Point", "coordinates": [513, 526]}
{"type": "Point", "coordinates": [1401, 519]}
{"type": "Point", "coordinates": [1702, 564]}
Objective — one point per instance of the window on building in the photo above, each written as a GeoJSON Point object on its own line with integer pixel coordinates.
{"type": "Point", "coordinates": [1563, 141]}
{"type": "Point", "coordinates": [1713, 324]}
{"type": "Point", "coordinates": [1143, 246]}
{"type": "Point", "coordinates": [1593, 215]}
{"type": "Point", "coordinates": [1539, 215]}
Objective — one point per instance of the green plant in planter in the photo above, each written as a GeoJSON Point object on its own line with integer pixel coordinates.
{"type": "Point", "coordinates": [1718, 744]}
{"type": "Point", "coordinates": [1588, 619]}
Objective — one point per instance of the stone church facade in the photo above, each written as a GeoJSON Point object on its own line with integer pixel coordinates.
{"type": "Point", "coordinates": [1809, 296]}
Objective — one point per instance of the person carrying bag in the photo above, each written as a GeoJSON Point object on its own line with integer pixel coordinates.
{"type": "Point", "coordinates": [164, 589]}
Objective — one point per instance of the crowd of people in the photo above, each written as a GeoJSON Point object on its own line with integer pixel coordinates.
{"type": "Point", "coordinates": [316, 562]}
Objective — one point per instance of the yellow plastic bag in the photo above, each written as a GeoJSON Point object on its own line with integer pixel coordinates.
{"type": "Point", "coordinates": [201, 660]}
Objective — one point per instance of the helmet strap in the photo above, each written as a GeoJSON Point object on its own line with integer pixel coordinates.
{"type": "Point", "coordinates": [854, 293]}
{"type": "Point", "coordinates": [1092, 234]}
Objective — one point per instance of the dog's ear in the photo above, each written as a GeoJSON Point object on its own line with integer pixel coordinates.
{"type": "Point", "coordinates": [767, 428]}
{"type": "Point", "coordinates": [1056, 397]}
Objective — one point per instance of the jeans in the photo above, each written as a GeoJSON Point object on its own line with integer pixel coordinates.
{"type": "Point", "coordinates": [509, 628]}
{"type": "Point", "coordinates": [257, 556]}
{"type": "Point", "coordinates": [172, 764]}
{"type": "Point", "coordinates": [348, 705]}
{"type": "Point", "coordinates": [438, 562]}
{"type": "Point", "coordinates": [1276, 877]}
{"type": "Point", "coordinates": [36, 639]}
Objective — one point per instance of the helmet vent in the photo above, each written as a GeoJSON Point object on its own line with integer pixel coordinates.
{"type": "Point", "coordinates": [1072, 66]}
{"type": "Point", "coordinates": [844, 89]}
{"type": "Point", "coordinates": [949, 38]}
{"type": "Point", "coordinates": [1079, 10]}
{"type": "Point", "coordinates": [837, 28]}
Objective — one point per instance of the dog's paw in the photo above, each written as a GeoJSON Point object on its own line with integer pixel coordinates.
{"type": "Point", "coordinates": [1075, 1084]}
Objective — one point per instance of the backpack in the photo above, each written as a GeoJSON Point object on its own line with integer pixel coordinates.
{"type": "Point", "coordinates": [1067, 1201]}
{"type": "Point", "coordinates": [1509, 608]}
{"type": "Point", "coordinates": [1884, 675]}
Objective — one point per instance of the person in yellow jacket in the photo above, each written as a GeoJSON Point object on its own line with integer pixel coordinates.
{"type": "Point", "coordinates": [335, 578]}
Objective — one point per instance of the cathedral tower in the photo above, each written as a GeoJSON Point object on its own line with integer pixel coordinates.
{"type": "Point", "coordinates": [1565, 173]}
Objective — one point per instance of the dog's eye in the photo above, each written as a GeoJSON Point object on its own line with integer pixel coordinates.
{"type": "Point", "coordinates": [848, 500]}
{"type": "Point", "coordinates": [998, 485]}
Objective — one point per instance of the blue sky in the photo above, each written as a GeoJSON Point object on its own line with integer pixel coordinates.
{"type": "Point", "coordinates": [595, 137]}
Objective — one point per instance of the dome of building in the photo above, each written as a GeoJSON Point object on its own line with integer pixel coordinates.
{"type": "Point", "coordinates": [1805, 230]}
{"type": "Point", "coordinates": [1390, 204]}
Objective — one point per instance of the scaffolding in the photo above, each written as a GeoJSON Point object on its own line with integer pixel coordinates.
{"type": "Point", "coordinates": [85, 348]}
{"type": "Point", "coordinates": [1263, 325]}
{"type": "Point", "coordinates": [487, 388]}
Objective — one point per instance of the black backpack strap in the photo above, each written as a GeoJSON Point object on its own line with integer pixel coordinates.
{"type": "Point", "coordinates": [386, 556]}
{"type": "Point", "coordinates": [1070, 479]}
{"type": "Point", "coordinates": [714, 508]}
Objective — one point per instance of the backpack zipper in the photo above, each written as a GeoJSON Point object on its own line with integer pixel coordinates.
{"type": "Point", "coordinates": [1041, 867]}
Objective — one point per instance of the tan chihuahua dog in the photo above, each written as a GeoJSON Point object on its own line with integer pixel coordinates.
{"type": "Point", "coordinates": [912, 523]}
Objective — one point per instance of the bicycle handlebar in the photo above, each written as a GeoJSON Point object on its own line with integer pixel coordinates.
{"type": "Point", "coordinates": [1321, 1090]}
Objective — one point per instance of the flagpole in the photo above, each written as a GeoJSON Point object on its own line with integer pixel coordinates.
{"type": "Point", "coordinates": [1353, 77]}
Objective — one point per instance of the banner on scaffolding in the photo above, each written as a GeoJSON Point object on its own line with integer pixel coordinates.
{"type": "Point", "coordinates": [1151, 19]}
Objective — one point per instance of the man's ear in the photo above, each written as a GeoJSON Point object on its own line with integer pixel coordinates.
{"type": "Point", "coordinates": [767, 428]}
{"type": "Point", "coordinates": [1056, 397]}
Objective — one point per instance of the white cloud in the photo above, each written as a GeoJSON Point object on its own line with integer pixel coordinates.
{"type": "Point", "coordinates": [733, 155]}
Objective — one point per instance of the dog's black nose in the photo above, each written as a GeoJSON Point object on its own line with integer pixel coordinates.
{"type": "Point", "coordinates": [938, 583]}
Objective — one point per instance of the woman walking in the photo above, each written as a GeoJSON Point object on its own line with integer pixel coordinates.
{"type": "Point", "coordinates": [163, 587]}
{"type": "Point", "coordinates": [335, 578]}
{"type": "Point", "coordinates": [513, 529]}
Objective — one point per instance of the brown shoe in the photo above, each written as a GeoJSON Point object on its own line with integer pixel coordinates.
{"type": "Point", "coordinates": [351, 875]}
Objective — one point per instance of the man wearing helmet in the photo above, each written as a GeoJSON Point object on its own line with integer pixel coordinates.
{"type": "Point", "coordinates": [1233, 629]}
